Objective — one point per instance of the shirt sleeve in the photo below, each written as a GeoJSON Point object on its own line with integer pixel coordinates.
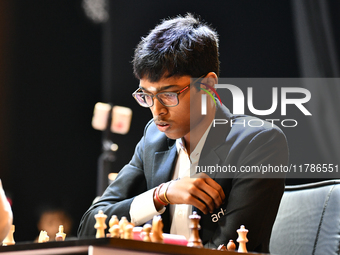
{"type": "Point", "coordinates": [143, 208]}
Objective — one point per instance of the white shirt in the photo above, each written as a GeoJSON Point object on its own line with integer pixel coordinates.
{"type": "Point", "coordinates": [143, 209]}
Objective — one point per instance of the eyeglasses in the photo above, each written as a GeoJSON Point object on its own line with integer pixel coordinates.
{"type": "Point", "coordinates": [168, 99]}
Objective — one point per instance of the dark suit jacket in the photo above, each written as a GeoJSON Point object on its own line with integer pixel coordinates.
{"type": "Point", "coordinates": [252, 199]}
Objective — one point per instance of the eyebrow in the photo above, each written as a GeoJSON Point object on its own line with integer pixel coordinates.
{"type": "Point", "coordinates": [161, 88]}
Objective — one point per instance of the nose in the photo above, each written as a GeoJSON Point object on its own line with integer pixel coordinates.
{"type": "Point", "coordinates": [158, 109]}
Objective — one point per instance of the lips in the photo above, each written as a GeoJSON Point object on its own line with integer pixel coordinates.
{"type": "Point", "coordinates": [162, 125]}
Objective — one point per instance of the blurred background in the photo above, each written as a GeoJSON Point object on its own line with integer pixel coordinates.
{"type": "Point", "coordinates": [58, 58]}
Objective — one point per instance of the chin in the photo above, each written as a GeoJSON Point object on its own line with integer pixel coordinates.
{"type": "Point", "coordinates": [173, 136]}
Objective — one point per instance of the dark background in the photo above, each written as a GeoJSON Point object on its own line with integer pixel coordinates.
{"type": "Point", "coordinates": [52, 75]}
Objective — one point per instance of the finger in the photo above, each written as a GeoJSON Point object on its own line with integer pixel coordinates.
{"type": "Point", "coordinates": [204, 198]}
{"type": "Point", "coordinates": [212, 183]}
{"type": "Point", "coordinates": [205, 193]}
{"type": "Point", "coordinates": [216, 186]}
{"type": "Point", "coordinates": [214, 194]}
{"type": "Point", "coordinates": [196, 202]}
{"type": "Point", "coordinates": [190, 194]}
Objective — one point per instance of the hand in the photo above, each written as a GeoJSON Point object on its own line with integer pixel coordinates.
{"type": "Point", "coordinates": [202, 192]}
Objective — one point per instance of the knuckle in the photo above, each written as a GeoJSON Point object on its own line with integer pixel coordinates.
{"type": "Point", "coordinates": [198, 182]}
{"type": "Point", "coordinates": [188, 198]}
{"type": "Point", "coordinates": [191, 189]}
{"type": "Point", "coordinates": [210, 203]}
{"type": "Point", "coordinates": [215, 195]}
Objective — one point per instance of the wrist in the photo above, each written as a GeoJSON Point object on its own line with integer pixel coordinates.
{"type": "Point", "coordinates": [158, 201]}
{"type": "Point", "coordinates": [164, 194]}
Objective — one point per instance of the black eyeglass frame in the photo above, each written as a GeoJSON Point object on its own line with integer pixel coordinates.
{"type": "Point", "coordinates": [134, 94]}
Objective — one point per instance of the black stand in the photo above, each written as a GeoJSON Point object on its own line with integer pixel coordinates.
{"type": "Point", "coordinates": [106, 159]}
{"type": "Point", "coordinates": [105, 164]}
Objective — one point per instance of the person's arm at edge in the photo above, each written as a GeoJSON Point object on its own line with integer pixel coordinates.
{"type": "Point", "coordinates": [6, 215]}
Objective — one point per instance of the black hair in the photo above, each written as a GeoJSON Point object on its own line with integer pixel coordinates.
{"type": "Point", "coordinates": [176, 47]}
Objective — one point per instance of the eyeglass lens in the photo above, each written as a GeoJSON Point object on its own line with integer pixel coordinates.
{"type": "Point", "coordinates": [166, 98]}
{"type": "Point", "coordinates": [144, 99]}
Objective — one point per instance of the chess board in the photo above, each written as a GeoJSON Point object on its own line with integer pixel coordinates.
{"type": "Point", "coordinates": [103, 246]}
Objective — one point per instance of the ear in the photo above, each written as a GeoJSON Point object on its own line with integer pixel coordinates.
{"type": "Point", "coordinates": [209, 81]}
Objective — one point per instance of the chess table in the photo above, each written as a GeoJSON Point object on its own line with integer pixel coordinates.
{"type": "Point", "coordinates": [105, 246]}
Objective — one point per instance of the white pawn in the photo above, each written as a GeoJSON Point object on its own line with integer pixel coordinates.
{"type": "Point", "coordinates": [100, 224]}
{"type": "Point", "coordinates": [113, 221]}
{"type": "Point", "coordinates": [114, 231]}
{"type": "Point", "coordinates": [122, 224]}
{"type": "Point", "coordinates": [242, 239]}
{"type": "Point", "coordinates": [114, 226]}
{"type": "Point", "coordinates": [146, 232]}
{"type": "Point", "coordinates": [128, 234]}
{"type": "Point", "coordinates": [9, 240]}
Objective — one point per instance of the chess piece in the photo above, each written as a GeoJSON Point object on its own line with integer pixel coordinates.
{"type": "Point", "coordinates": [157, 229]}
{"type": "Point", "coordinates": [100, 224]}
{"type": "Point", "coordinates": [43, 237]}
{"type": "Point", "coordinates": [113, 221]}
{"type": "Point", "coordinates": [60, 236]}
{"type": "Point", "coordinates": [114, 227]}
{"type": "Point", "coordinates": [231, 246]}
{"type": "Point", "coordinates": [194, 239]}
{"type": "Point", "coordinates": [128, 231]}
{"type": "Point", "coordinates": [146, 233]}
{"type": "Point", "coordinates": [242, 239]}
{"type": "Point", "coordinates": [221, 247]}
{"type": "Point", "coordinates": [9, 240]}
{"type": "Point", "coordinates": [122, 224]}
{"type": "Point", "coordinates": [115, 231]}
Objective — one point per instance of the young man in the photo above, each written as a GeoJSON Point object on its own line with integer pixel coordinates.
{"type": "Point", "coordinates": [157, 180]}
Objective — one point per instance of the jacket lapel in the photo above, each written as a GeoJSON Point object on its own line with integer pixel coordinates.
{"type": "Point", "coordinates": [217, 136]}
{"type": "Point", "coordinates": [162, 171]}
{"type": "Point", "coordinates": [213, 153]}
{"type": "Point", "coordinates": [163, 166]}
